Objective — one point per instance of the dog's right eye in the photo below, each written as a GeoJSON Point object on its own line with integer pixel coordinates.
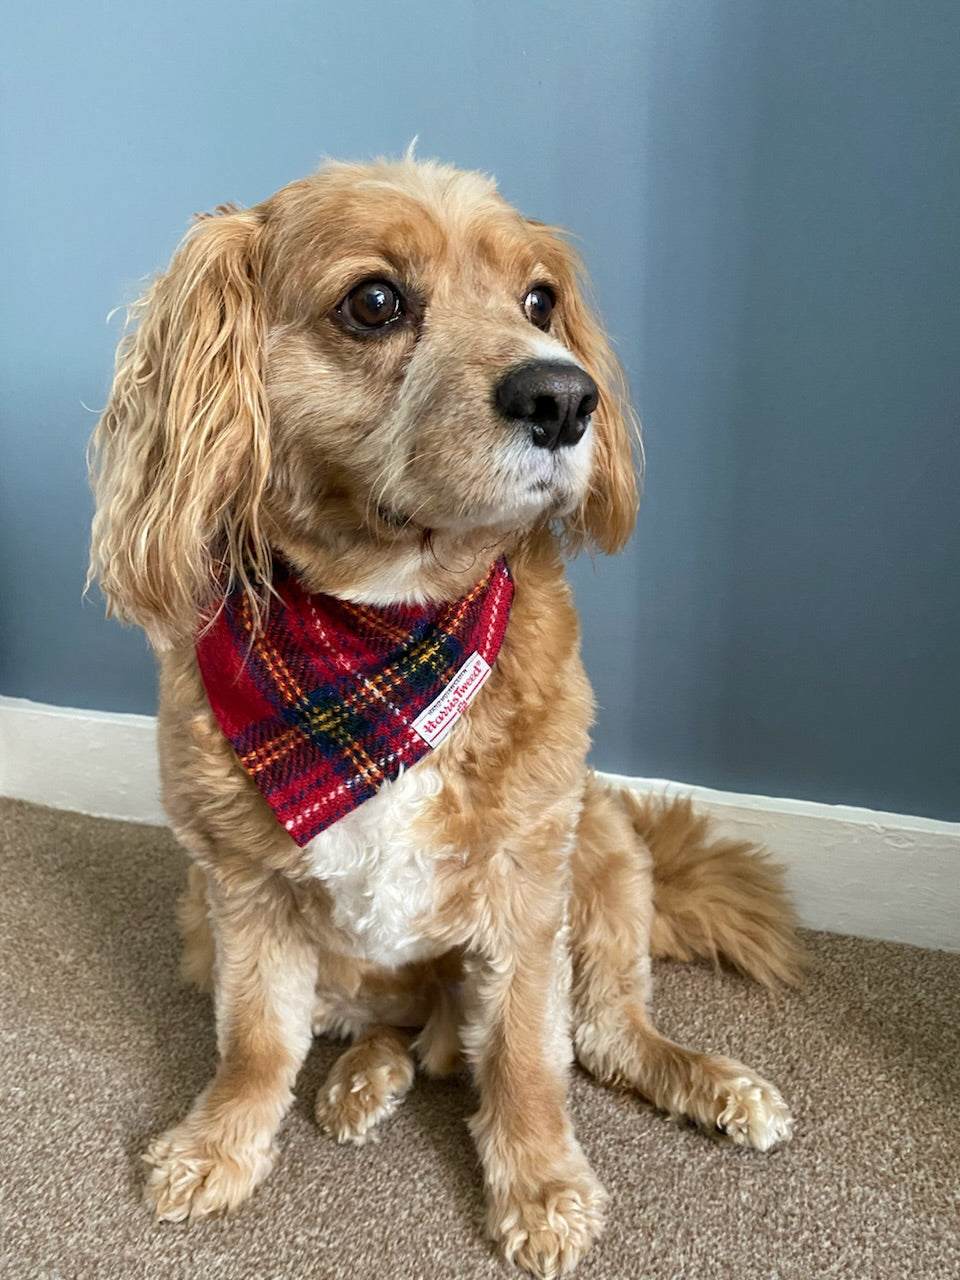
{"type": "Point", "coordinates": [371, 305]}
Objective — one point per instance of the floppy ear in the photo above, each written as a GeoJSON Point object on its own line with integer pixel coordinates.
{"type": "Point", "coordinates": [606, 517]}
{"type": "Point", "coordinates": [179, 460]}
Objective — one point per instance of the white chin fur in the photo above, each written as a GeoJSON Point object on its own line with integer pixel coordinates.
{"type": "Point", "coordinates": [544, 481]}
{"type": "Point", "coordinates": [531, 483]}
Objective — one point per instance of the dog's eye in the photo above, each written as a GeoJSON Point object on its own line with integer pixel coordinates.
{"type": "Point", "coordinates": [538, 306]}
{"type": "Point", "coordinates": [371, 305]}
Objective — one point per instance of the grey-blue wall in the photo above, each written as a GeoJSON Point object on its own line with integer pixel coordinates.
{"type": "Point", "coordinates": [767, 195]}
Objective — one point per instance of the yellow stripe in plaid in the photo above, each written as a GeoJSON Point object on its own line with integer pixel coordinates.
{"type": "Point", "coordinates": [268, 753]}
{"type": "Point", "coordinates": [376, 621]}
{"type": "Point", "coordinates": [283, 678]}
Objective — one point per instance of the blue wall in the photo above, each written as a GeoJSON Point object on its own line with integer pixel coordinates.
{"type": "Point", "coordinates": [767, 196]}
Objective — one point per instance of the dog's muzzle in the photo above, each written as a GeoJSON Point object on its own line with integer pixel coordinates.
{"type": "Point", "coordinates": [552, 400]}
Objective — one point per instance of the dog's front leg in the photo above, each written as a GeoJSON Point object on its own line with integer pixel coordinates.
{"type": "Point", "coordinates": [545, 1205]}
{"type": "Point", "coordinates": [264, 981]}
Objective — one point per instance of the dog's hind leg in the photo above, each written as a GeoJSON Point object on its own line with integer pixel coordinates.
{"type": "Point", "coordinates": [366, 1084]}
{"type": "Point", "coordinates": [612, 915]}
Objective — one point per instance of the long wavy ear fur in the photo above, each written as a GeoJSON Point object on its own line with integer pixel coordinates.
{"type": "Point", "coordinates": [180, 458]}
{"type": "Point", "coordinates": [606, 517]}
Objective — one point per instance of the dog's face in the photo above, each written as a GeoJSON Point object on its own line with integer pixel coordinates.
{"type": "Point", "coordinates": [378, 364]}
{"type": "Point", "coordinates": [416, 332]}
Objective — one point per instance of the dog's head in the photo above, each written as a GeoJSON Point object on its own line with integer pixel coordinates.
{"type": "Point", "coordinates": [383, 373]}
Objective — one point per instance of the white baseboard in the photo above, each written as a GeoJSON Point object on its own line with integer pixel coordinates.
{"type": "Point", "coordinates": [97, 762]}
{"type": "Point", "coordinates": [876, 875]}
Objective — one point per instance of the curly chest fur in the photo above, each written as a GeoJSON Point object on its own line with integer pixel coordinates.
{"type": "Point", "coordinates": [378, 872]}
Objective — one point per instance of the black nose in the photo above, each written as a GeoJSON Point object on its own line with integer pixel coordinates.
{"type": "Point", "coordinates": [554, 400]}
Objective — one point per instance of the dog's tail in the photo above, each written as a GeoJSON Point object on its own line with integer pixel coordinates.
{"type": "Point", "coordinates": [714, 898]}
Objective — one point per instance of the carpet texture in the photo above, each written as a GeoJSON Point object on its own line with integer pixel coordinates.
{"type": "Point", "coordinates": [101, 1047]}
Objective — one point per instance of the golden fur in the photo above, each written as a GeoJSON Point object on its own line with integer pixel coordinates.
{"type": "Point", "coordinates": [247, 419]}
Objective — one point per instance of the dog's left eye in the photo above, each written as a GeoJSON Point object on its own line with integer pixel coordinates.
{"type": "Point", "coordinates": [371, 305]}
{"type": "Point", "coordinates": [538, 306]}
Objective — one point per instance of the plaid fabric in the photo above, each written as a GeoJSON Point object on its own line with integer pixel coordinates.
{"type": "Point", "coordinates": [329, 699]}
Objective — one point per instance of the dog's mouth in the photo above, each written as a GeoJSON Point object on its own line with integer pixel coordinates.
{"type": "Point", "coordinates": [557, 481]}
{"type": "Point", "coordinates": [392, 518]}
{"type": "Point", "coordinates": [554, 493]}
{"type": "Point", "coordinates": [521, 487]}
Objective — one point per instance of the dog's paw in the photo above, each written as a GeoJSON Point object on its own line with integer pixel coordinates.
{"type": "Point", "coordinates": [753, 1114]}
{"type": "Point", "coordinates": [549, 1232]}
{"type": "Point", "coordinates": [190, 1178]}
{"type": "Point", "coordinates": [363, 1088]}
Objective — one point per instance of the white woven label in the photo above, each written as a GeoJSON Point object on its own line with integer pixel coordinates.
{"type": "Point", "coordinates": [445, 710]}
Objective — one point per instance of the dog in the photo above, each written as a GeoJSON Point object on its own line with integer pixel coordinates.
{"type": "Point", "coordinates": [360, 424]}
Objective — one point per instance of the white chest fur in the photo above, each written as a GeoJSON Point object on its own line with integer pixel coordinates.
{"type": "Point", "coordinates": [378, 875]}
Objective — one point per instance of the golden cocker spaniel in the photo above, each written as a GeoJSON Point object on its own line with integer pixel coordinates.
{"type": "Point", "coordinates": [351, 438]}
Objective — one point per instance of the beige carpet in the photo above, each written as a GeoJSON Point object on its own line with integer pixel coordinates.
{"type": "Point", "coordinates": [101, 1047]}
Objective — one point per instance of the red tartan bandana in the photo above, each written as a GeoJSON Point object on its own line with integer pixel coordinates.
{"type": "Point", "coordinates": [331, 699]}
